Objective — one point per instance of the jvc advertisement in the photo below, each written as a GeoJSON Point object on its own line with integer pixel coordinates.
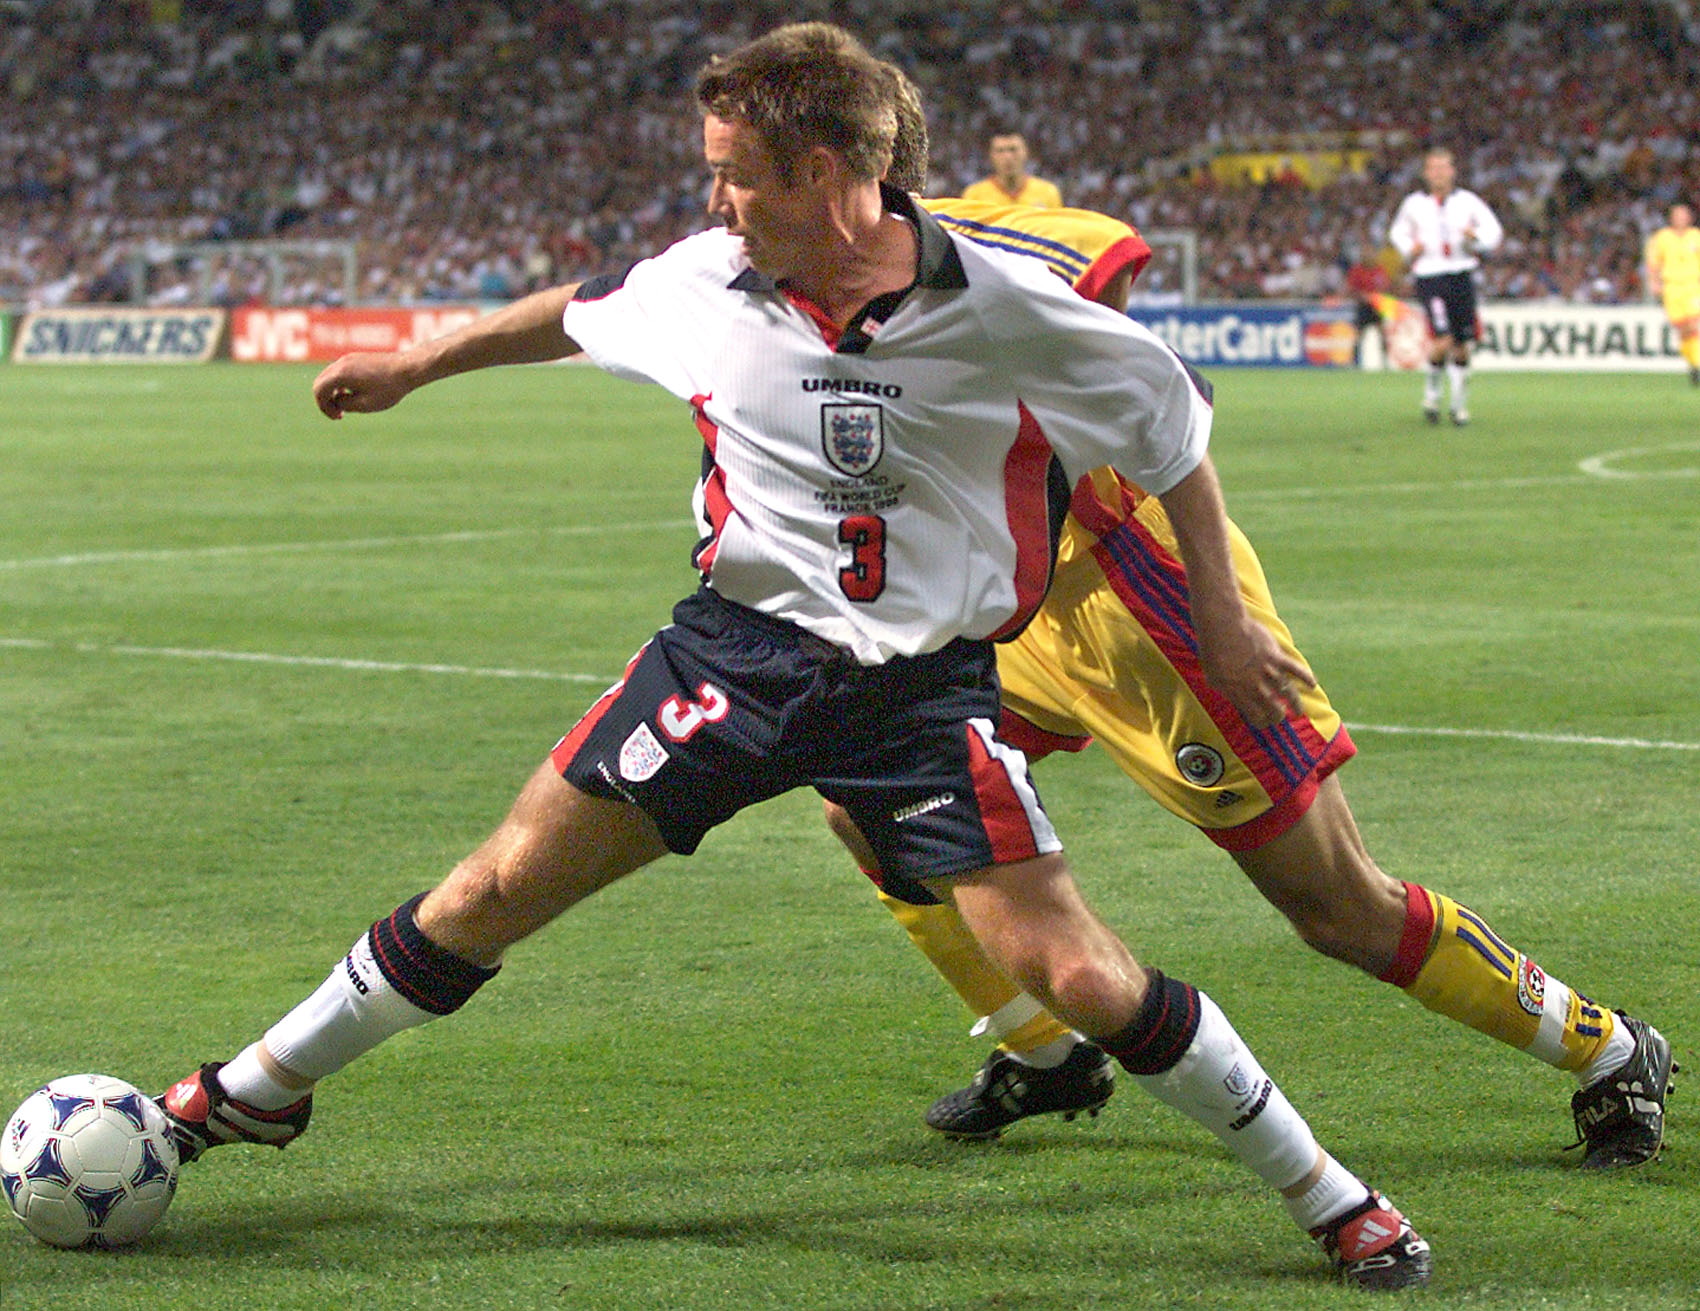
{"type": "Point", "coordinates": [294, 335]}
{"type": "Point", "coordinates": [1267, 336]}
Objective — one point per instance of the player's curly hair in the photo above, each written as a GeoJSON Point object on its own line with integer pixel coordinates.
{"type": "Point", "coordinates": [806, 85]}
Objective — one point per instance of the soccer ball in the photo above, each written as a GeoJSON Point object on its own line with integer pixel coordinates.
{"type": "Point", "coordinates": [88, 1161]}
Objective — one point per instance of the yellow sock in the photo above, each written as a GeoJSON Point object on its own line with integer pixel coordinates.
{"type": "Point", "coordinates": [1020, 1023]}
{"type": "Point", "coordinates": [1691, 351]}
{"type": "Point", "coordinates": [1472, 976]}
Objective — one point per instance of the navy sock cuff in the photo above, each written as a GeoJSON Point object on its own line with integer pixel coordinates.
{"type": "Point", "coordinates": [431, 977]}
{"type": "Point", "coordinates": [1161, 1032]}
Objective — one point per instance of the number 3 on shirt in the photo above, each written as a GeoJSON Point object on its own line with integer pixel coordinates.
{"type": "Point", "coordinates": [864, 578]}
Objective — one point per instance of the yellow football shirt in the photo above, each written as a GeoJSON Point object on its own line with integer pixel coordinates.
{"type": "Point", "coordinates": [1675, 256]}
{"type": "Point", "coordinates": [1035, 191]}
{"type": "Point", "coordinates": [1083, 247]}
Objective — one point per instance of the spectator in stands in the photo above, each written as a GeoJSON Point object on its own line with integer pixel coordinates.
{"type": "Point", "coordinates": [450, 136]}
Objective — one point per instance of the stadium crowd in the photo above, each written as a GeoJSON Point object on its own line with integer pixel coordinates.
{"type": "Point", "coordinates": [483, 150]}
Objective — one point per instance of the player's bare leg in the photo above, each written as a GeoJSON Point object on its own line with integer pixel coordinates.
{"type": "Point", "coordinates": [1175, 1041]}
{"type": "Point", "coordinates": [1320, 875]}
{"type": "Point", "coordinates": [1040, 1065]}
{"type": "Point", "coordinates": [556, 847]}
{"type": "Point", "coordinates": [1452, 961]}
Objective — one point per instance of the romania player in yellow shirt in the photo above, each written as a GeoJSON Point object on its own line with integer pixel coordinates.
{"type": "Point", "coordinates": [1011, 183]}
{"type": "Point", "coordinates": [1673, 275]}
{"type": "Point", "coordinates": [1111, 657]}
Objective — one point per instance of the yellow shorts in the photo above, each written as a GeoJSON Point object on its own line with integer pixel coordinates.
{"type": "Point", "coordinates": [1682, 302]}
{"type": "Point", "coordinates": [1111, 656]}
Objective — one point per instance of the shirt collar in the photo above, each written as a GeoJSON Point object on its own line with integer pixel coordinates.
{"type": "Point", "coordinates": [939, 265]}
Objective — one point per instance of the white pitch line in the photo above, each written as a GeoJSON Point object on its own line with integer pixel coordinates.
{"type": "Point", "coordinates": [1600, 466]}
{"type": "Point", "coordinates": [495, 534]}
{"type": "Point", "coordinates": [1591, 472]}
{"type": "Point", "coordinates": [310, 662]}
{"type": "Point", "coordinates": [336, 544]}
{"type": "Point", "coordinates": [1544, 739]}
{"type": "Point", "coordinates": [1419, 489]}
{"type": "Point", "coordinates": [604, 680]}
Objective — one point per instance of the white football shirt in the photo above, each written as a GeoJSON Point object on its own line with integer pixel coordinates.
{"type": "Point", "coordinates": [902, 485]}
{"type": "Point", "coordinates": [1451, 232]}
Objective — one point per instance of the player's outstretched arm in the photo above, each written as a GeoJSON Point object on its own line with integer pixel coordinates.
{"type": "Point", "coordinates": [1240, 657]}
{"type": "Point", "coordinates": [527, 332]}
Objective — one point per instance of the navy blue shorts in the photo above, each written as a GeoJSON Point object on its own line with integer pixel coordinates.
{"type": "Point", "coordinates": [1449, 300]}
{"type": "Point", "coordinates": [726, 707]}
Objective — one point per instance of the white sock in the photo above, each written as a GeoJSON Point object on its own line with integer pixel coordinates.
{"type": "Point", "coordinates": [350, 1013]}
{"type": "Point", "coordinates": [1612, 1056]}
{"type": "Point", "coordinates": [1052, 1054]}
{"type": "Point", "coordinates": [246, 1078]}
{"type": "Point", "coordinates": [1431, 387]}
{"type": "Point", "coordinates": [1457, 375]}
{"type": "Point", "coordinates": [1337, 1192]}
{"type": "Point", "coordinates": [1220, 1084]}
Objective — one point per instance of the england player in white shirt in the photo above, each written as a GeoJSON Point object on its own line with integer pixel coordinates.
{"type": "Point", "coordinates": [1442, 231]}
{"type": "Point", "coordinates": [888, 417]}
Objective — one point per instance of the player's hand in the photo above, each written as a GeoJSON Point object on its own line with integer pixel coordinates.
{"type": "Point", "coordinates": [362, 383]}
{"type": "Point", "coordinates": [1244, 663]}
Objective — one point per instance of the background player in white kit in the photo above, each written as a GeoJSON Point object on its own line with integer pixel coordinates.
{"type": "Point", "coordinates": [1442, 231]}
{"type": "Point", "coordinates": [839, 638]}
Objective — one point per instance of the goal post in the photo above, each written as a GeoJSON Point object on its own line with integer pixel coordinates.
{"type": "Point", "coordinates": [1171, 278]}
{"type": "Point", "coordinates": [284, 263]}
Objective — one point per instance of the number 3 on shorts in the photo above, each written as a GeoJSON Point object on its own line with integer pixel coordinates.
{"type": "Point", "coordinates": [680, 719]}
{"type": "Point", "coordinates": [864, 534]}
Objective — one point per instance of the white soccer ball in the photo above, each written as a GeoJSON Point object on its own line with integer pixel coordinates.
{"type": "Point", "coordinates": [88, 1161]}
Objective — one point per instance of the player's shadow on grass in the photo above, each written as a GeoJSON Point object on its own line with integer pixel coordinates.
{"type": "Point", "coordinates": [1148, 1197]}
{"type": "Point", "coordinates": [1118, 1236]}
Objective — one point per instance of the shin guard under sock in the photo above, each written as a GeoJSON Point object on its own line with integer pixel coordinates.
{"type": "Point", "coordinates": [393, 978]}
{"type": "Point", "coordinates": [1184, 1052]}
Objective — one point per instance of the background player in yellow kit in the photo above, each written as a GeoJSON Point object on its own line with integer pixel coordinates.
{"type": "Point", "coordinates": [1010, 182]}
{"type": "Point", "coordinates": [1110, 656]}
{"type": "Point", "coordinates": [1673, 275]}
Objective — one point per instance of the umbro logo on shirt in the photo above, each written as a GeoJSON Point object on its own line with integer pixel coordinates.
{"type": "Point", "coordinates": [853, 387]}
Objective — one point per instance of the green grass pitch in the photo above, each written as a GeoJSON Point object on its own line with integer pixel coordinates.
{"type": "Point", "coordinates": [263, 676]}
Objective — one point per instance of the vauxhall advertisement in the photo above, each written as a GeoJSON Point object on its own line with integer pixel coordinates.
{"type": "Point", "coordinates": [1530, 337]}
